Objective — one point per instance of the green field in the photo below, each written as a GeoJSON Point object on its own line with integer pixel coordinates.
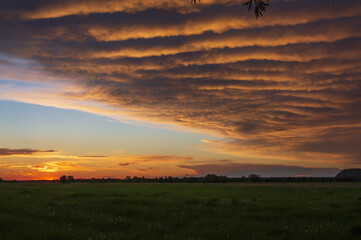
{"type": "Point", "coordinates": [180, 211]}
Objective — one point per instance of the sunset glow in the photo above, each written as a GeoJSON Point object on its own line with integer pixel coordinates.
{"type": "Point", "coordinates": [109, 89]}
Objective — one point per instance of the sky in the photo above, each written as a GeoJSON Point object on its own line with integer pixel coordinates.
{"type": "Point", "coordinates": [113, 88]}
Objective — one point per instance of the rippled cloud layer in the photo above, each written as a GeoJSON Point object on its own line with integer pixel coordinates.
{"type": "Point", "coordinates": [286, 85]}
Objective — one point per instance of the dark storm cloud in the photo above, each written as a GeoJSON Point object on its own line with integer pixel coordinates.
{"type": "Point", "coordinates": [25, 151]}
{"type": "Point", "coordinates": [286, 85]}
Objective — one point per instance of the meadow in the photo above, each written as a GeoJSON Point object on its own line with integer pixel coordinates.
{"type": "Point", "coordinates": [95, 211]}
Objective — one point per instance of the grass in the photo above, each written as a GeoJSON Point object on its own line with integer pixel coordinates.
{"type": "Point", "coordinates": [180, 211]}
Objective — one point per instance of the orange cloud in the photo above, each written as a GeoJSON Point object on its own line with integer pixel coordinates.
{"type": "Point", "coordinates": [286, 86]}
{"type": "Point", "coordinates": [57, 166]}
{"type": "Point", "coordinates": [53, 166]}
{"type": "Point", "coordinates": [156, 158]}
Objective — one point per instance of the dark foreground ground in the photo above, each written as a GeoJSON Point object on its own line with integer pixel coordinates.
{"type": "Point", "coordinates": [180, 211]}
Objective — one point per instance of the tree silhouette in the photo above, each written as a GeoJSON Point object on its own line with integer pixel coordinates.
{"type": "Point", "coordinates": [63, 179]}
{"type": "Point", "coordinates": [257, 6]}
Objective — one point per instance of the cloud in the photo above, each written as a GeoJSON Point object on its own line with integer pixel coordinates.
{"type": "Point", "coordinates": [286, 86]}
{"type": "Point", "coordinates": [53, 166]}
{"type": "Point", "coordinates": [137, 159]}
{"type": "Point", "coordinates": [93, 156]}
{"type": "Point", "coordinates": [25, 151]}
{"type": "Point", "coordinates": [240, 169]}
{"type": "Point", "coordinates": [123, 164]}
{"type": "Point", "coordinates": [152, 169]}
{"type": "Point", "coordinates": [52, 9]}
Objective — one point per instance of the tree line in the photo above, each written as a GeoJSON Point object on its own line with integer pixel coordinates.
{"type": "Point", "coordinates": [210, 178]}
